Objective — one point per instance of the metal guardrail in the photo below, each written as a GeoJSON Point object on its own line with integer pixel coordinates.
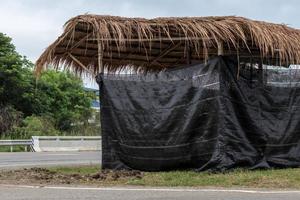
{"type": "Point", "coordinates": [66, 143]}
{"type": "Point", "coordinates": [56, 143]}
{"type": "Point", "coordinates": [67, 137]}
{"type": "Point", "coordinates": [13, 143]}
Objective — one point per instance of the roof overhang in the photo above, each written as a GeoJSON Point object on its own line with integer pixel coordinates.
{"type": "Point", "coordinates": [93, 43]}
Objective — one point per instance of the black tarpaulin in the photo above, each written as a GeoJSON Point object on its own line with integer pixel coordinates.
{"type": "Point", "coordinates": [212, 116]}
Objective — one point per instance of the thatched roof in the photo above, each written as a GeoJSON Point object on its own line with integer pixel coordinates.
{"type": "Point", "coordinates": [156, 44]}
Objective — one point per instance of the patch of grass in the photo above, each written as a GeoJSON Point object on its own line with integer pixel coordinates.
{"type": "Point", "coordinates": [279, 178]}
{"type": "Point", "coordinates": [286, 178]}
{"type": "Point", "coordinates": [15, 149]}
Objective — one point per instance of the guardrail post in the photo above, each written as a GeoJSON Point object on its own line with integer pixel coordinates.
{"type": "Point", "coordinates": [11, 148]}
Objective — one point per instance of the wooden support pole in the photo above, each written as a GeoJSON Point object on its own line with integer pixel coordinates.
{"type": "Point", "coordinates": [172, 39]}
{"type": "Point", "coordinates": [100, 55]}
{"type": "Point", "coordinates": [79, 42]}
{"type": "Point", "coordinates": [107, 154]}
{"type": "Point", "coordinates": [261, 72]}
{"type": "Point", "coordinates": [79, 63]}
{"type": "Point", "coordinates": [220, 48]}
{"type": "Point", "coordinates": [188, 54]}
{"type": "Point", "coordinates": [165, 52]}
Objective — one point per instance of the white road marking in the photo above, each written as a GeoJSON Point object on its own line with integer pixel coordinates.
{"type": "Point", "coordinates": [156, 189]}
{"type": "Point", "coordinates": [62, 154]}
{"type": "Point", "coordinates": [50, 163]}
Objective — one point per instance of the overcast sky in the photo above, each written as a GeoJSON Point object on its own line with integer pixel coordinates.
{"type": "Point", "coordinates": [34, 24]}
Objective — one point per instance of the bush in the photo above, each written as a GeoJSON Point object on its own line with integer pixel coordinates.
{"type": "Point", "coordinates": [35, 126]}
{"type": "Point", "coordinates": [9, 118]}
{"type": "Point", "coordinates": [45, 126]}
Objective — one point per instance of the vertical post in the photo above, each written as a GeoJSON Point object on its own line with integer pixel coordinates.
{"type": "Point", "coordinates": [11, 148]}
{"type": "Point", "coordinates": [100, 55]}
{"type": "Point", "coordinates": [110, 159]}
{"type": "Point", "coordinates": [104, 151]}
{"type": "Point", "coordinates": [251, 72]}
{"type": "Point", "coordinates": [220, 48]}
{"type": "Point", "coordinates": [188, 54]}
{"type": "Point", "coordinates": [25, 148]}
{"type": "Point", "coordinates": [261, 73]}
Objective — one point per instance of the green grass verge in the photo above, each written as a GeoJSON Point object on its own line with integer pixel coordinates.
{"type": "Point", "coordinates": [281, 178]}
{"type": "Point", "coordinates": [15, 149]}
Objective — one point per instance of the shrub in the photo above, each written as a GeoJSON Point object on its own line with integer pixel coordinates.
{"type": "Point", "coordinates": [35, 126]}
{"type": "Point", "coordinates": [9, 118]}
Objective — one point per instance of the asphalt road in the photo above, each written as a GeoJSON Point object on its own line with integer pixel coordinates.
{"type": "Point", "coordinates": [32, 159]}
{"type": "Point", "coordinates": [16, 160]}
{"type": "Point", "coordinates": [57, 193]}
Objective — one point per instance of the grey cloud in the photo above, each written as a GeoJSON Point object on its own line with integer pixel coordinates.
{"type": "Point", "coordinates": [34, 24]}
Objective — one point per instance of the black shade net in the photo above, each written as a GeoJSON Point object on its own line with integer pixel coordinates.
{"type": "Point", "coordinates": [212, 116]}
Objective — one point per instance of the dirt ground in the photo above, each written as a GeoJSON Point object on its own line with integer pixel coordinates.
{"type": "Point", "coordinates": [41, 176]}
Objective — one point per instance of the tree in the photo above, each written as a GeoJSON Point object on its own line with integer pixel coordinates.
{"type": "Point", "coordinates": [15, 77]}
{"type": "Point", "coordinates": [59, 95]}
{"type": "Point", "coordinates": [9, 118]}
{"type": "Point", "coordinates": [62, 97]}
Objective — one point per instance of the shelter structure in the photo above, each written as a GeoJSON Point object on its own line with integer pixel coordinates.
{"type": "Point", "coordinates": [205, 95]}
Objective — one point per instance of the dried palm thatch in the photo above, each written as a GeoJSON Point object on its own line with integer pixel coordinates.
{"type": "Point", "coordinates": [90, 41]}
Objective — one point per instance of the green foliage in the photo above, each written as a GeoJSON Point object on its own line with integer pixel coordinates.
{"type": "Point", "coordinates": [35, 126]}
{"type": "Point", "coordinates": [15, 77]}
{"type": "Point", "coordinates": [9, 118]}
{"type": "Point", "coordinates": [64, 99]}
{"type": "Point", "coordinates": [90, 129]}
{"type": "Point", "coordinates": [14, 149]}
{"type": "Point", "coordinates": [54, 103]}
